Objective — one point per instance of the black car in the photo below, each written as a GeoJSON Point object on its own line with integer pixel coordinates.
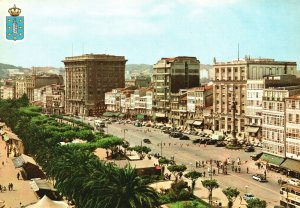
{"type": "Point", "coordinates": [184, 137]}
{"type": "Point", "coordinates": [211, 142]}
{"type": "Point", "coordinates": [196, 141]}
{"type": "Point", "coordinates": [147, 141]}
{"type": "Point", "coordinates": [204, 140]}
{"type": "Point", "coordinates": [176, 134]}
{"type": "Point", "coordinates": [249, 149]}
{"type": "Point", "coordinates": [256, 156]}
{"type": "Point", "coordinates": [220, 144]}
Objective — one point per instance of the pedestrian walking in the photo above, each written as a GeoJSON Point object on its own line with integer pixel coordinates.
{"type": "Point", "coordinates": [18, 176]}
{"type": "Point", "coordinates": [204, 174]}
{"type": "Point", "coordinates": [9, 187]}
{"type": "Point", "coordinates": [235, 169]}
{"type": "Point", "coordinates": [3, 163]}
{"type": "Point", "coordinates": [241, 199]}
{"type": "Point", "coordinates": [196, 164]}
{"type": "Point", "coordinates": [239, 169]}
{"type": "Point", "coordinates": [247, 170]}
{"type": "Point", "coordinates": [214, 172]}
{"type": "Point", "coordinates": [0, 188]}
{"type": "Point", "coordinates": [265, 173]}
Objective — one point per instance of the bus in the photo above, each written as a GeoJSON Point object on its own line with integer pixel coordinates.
{"type": "Point", "coordinates": [290, 196]}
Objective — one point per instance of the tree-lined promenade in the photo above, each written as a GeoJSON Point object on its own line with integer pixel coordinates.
{"type": "Point", "coordinates": [78, 174]}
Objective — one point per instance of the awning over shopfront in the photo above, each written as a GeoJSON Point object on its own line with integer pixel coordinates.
{"type": "Point", "coordinates": [252, 129]}
{"type": "Point", "coordinates": [272, 159]}
{"type": "Point", "coordinates": [22, 159]}
{"type": "Point", "coordinates": [189, 121]}
{"type": "Point", "coordinates": [292, 165]}
{"type": "Point", "coordinates": [39, 184]}
{"type": "Point", "coordinates": [197, 123]}
{"type": "Point", "coordinates": [111, 114]}
{"type": "Point", "coordinates": [121, 115]}
{"type": "Point", "coordinates": [140, 116]}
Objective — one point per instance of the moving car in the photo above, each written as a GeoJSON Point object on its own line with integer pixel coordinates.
{"type": "Point", "coordinates": [184, 137]}
{"type": "Point", "coordinates": [147, 141]}
{"type": "Point", "coordinates": [211, 142]}
{"type": "Point", "coordinates": [256, 156]}
{"type": "Point", "coordinates": [259, 177]}
{"type": "Point", "coordinates": [248, 196]}
{"type": "Point", "coordinates": [249, 149]}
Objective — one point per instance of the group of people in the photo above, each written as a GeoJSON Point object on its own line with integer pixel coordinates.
{"type": "Point", "coordinates": [10, 187]}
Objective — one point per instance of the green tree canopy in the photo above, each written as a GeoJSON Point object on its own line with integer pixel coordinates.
{"type": "Point", "coordinates": [176, 169]}
{"type": "Point", "coordinates": [231, 194]}
{"type": "Point", "coordinates": [141, 149]}
{"type": "Point", "coordinates": [210, 185]}
{"type": "Point", "coordinates": [164, 161]}
{"type": "Point", "coordinates": [193, 175]}
{"type": "Point", "coordinates": [256, 203]}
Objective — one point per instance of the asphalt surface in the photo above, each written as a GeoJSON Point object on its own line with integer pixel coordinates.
{"type": "Point", "coordinates": [184, 152]}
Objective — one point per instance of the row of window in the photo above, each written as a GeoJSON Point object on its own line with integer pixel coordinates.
{"type": "Point", "coordinates": [274, 106]}
{"type": "Point", "coordinates": [293, 133]}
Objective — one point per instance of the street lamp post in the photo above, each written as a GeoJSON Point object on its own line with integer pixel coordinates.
{"type": "Point", "coordinates": [124, 130]}
{"type": "Point", "coordinates": [191, 165]}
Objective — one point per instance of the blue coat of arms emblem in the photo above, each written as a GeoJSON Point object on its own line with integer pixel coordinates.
{"type": "Point", "coordinates": [14, 24]}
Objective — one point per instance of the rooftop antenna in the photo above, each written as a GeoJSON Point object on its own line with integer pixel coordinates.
{"type": "Point", "coordinates": [238, 51]}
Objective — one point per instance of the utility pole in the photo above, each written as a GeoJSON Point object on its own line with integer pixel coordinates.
{"type": "Point", "coordinates": [161, 148]}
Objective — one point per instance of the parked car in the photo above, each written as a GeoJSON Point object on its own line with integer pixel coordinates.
{"type": "Point", "coordinates": [184, 137]}
{"type": "Point", "coordinates": [167, 131]}
{"type": "Point", "coordinates": [204, 140]}
{"type": "Point", "coordinates": [294, 181]}
{"type": "Point", "coordinates": [108, 122]}
{"type": "Point", "coordinates": [176, 134]}
{"type": "Point", "coordinates": [147, 141]}
{"type": "Point", "coordinates": [249, 149]}
{"type": "Point", "coordinates": [196, 141]}
{"type": "Point", "coordinates": [203, 134]}
{"type": "Point", "coordinates": [259, 177]}
{"type": "Point", "coordinates": [148, 125]}
{"type": "Point", "coordinates": [138, 124]}
{"type": "Point", "coordinates": [256, 156]}
{"type": "Point", "coordinates": [211, 142]}
{"type": "Point", "coordinates": [248, 196]}
{"type": "Point", "coordinates": [220, 144]}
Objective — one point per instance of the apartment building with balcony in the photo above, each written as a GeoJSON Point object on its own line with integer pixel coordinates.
{"type": "Point", "coordinates": [231, 83]}
{"type": "Point", "coordinates": [198, 100]}
{"type": "Point", "coordinates": [274, 119]}
{"type": "Point", "coordinates": [178, 104]}
{"type": "Point", "coordinates": [169, 76]}
{"type": "Point", "coordinates": [51, 98]}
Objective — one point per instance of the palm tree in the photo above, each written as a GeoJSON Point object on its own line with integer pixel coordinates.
{"type": "Point", "coordinates": [121, 188]}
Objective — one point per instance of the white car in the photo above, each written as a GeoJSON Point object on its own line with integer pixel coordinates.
{"type": "Point", "coordinates": [294, 181]}
{"type": "Point", "coordinates": [248, 196]}
{"type": "Point", "coordinates": [259, 177]}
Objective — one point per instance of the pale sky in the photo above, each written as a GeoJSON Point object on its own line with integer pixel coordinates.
{"type": "Point", "coordinates": [146, 30]}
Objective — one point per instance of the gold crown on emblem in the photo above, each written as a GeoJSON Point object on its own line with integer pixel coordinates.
{"type": "Point", "coordinates": [14, 11]}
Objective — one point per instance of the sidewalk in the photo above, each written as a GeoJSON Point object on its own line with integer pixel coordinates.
{"type": "Point", "coordinates": [22, 192]}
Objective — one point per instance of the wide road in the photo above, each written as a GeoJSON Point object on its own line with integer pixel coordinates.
{"type": "Point", "coordinates": [187, 153]}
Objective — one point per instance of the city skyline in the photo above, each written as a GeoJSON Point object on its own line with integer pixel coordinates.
{"type": "Point", "coordinates": [145, 31]}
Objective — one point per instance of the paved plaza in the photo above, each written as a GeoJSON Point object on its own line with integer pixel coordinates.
{"type": "Point", "coordinates": [22, 194]}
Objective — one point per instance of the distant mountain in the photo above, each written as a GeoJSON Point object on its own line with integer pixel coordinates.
{"type": "Point", "coordinates": [4, 70]}
{"type": "Point", "coordinates": [136, 69]}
